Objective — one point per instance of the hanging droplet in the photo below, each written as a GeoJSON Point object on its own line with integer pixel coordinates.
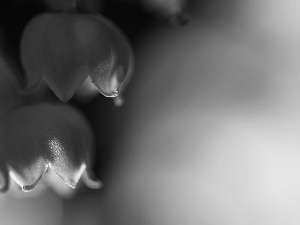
{"type": "Point", "coordinates": [180, 18]}
{"type": "Point", "coordinates": [119, 100]}
{"type": "Point", "coordinates": [110, 87]}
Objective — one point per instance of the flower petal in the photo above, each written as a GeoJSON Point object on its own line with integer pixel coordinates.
{"type": "Point", "coordinates": [31, 44]}
{"type": "Point", "coordinates": [112, 74]}
{"type": "Point", "coordinates": [38, 136]}
{"type": "Point", "coordinates": [8, 84]}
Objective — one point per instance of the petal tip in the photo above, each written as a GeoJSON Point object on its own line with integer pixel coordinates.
{"type": "Point", "coordinates": [25, 187]}
{"type": "Point", "coordinates": [71, 183]}
{"type": "Point", "coordinates": [91, 181]}
{"type": "Point", "coordinates": [63, 98]}
{"type": "Point", "coordinates": [180, 19]}
{"type": "Point", "coordinates": [30, 187]}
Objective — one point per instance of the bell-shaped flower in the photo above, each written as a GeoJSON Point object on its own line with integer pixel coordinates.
{"type": "Point", "coordinates": [37, 136]}
{"type": "Point", "coordinates": [65, 49]}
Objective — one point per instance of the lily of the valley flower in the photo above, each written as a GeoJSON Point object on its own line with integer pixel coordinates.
{"type": "Point", "coordinates": [38, 136]}
{"type": "Point", "coordinates": [64, 49]}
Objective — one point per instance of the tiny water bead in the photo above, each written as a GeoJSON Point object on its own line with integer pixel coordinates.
{"type": "Point", "coordinates": [63, 49]}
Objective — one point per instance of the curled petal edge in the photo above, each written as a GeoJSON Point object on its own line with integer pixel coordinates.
{"type": "Point", "coordinates": [24, 187]}
{"type": "Point", "coordinates": [85, 174]}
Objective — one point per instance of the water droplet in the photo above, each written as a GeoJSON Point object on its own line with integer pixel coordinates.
{"type": "Point", "coordinates": [119, 100]}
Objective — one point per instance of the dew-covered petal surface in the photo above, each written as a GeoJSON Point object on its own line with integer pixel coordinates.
{"type": "Point", "coordinates": [176, 10]}
{"type": "Point", "coordinates": [38, 137]}
{"type": "Point", "coordinates": [112, 73]}
{"type": "Point", "coordinates": [4, 175]}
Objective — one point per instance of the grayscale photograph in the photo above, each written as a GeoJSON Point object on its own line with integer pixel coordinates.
{"type": "Point", "coordinates": [149, 112]}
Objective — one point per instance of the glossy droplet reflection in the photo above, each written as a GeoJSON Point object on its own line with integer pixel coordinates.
{"type": "Point", "coordinates": [50, 137]}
